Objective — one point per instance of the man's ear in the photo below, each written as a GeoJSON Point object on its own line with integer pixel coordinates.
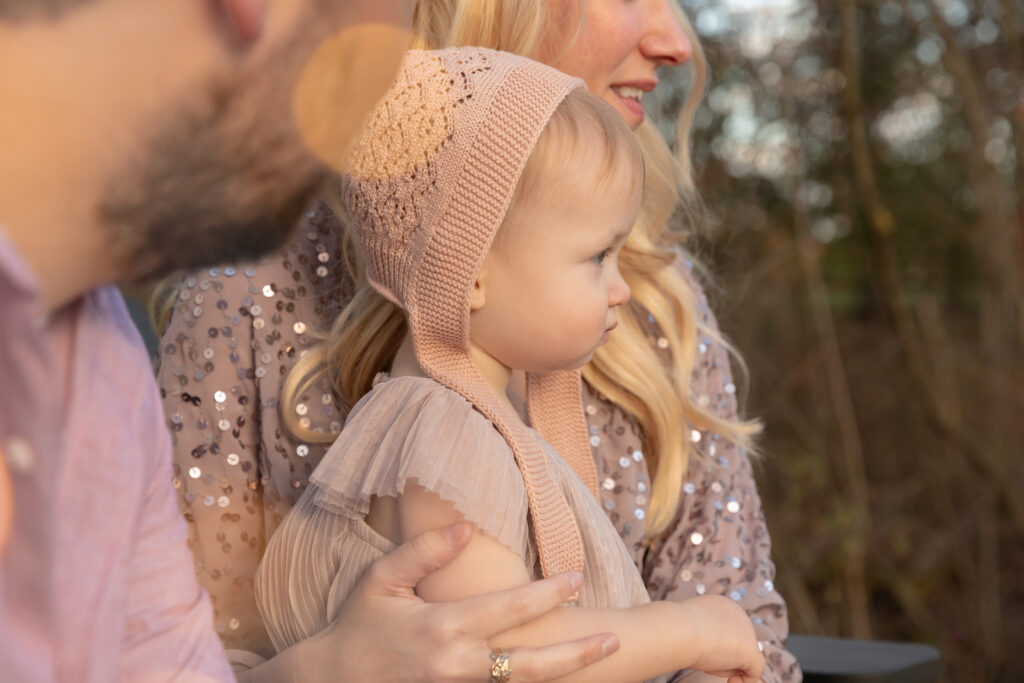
{"type": "Point", "coordinates": [245, 18]}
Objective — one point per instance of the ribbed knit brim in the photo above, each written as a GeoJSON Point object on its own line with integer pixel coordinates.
{"type": "Point", "coordinates": [427, 183]}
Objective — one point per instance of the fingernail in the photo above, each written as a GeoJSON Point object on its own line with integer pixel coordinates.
{"type": "Point", "coordinates": [575, 580]}
{"type": "Point", "coordinates": [456, 533]}
{"type": "Point", "coordinates": [610, 645]}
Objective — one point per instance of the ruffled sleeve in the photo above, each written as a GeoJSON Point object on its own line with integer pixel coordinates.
{"type": "Point", "coordinates": [405, 430]}
{"type": "Point", "coordinates": [412, 429]}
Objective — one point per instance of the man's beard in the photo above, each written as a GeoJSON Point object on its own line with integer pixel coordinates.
{"type": "Point", "coordinates": [224, 178]}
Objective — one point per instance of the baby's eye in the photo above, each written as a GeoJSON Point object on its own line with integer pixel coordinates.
{"type": "Point", "coordinates": [599, 258]}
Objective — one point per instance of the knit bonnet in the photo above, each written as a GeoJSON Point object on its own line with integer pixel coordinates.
{"type": "Point", "coordinates": [427, 183]}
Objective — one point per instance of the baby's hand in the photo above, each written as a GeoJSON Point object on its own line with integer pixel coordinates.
{"type": "Point", "coordinates": [726, 639]}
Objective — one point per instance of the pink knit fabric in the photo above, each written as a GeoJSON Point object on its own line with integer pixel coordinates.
{"type": "Point", "coordinates": [427, 184]}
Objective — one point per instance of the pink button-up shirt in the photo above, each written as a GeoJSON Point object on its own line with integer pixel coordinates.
{"type": "Point", "coordinates": [96, 582]}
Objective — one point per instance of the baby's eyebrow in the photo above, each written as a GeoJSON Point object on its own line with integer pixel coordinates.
{"type": "Point", "coordinates": [622, 235]}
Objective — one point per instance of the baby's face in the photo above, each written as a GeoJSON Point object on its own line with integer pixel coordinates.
{"type": "Point", "coordinates": [551, 288]}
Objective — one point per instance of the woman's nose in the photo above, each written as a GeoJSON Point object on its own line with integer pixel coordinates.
{"type": "Point", "coordinates": [664, 39]}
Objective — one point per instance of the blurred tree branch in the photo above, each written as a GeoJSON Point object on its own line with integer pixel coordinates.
{"type": "Point", "coordinates": [882, 224]}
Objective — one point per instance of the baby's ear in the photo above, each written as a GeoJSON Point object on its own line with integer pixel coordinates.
{"type": "Point", "coordinates": [478, 296]}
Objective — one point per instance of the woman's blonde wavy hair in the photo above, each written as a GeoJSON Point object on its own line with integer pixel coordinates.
{"type": "Point", "coordinates": [628, 370]}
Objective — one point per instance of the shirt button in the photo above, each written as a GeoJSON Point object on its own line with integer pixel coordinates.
{"type": "Point", "coordinates": [19, 455]}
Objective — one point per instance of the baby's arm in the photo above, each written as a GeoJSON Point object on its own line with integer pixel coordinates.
{"type": "Point", "coordinates": [709, 634]}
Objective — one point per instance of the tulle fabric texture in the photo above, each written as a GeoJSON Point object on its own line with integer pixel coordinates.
{"type": "Point", "coordinates": [412, 429]}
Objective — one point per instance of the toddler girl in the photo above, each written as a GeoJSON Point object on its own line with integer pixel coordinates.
{"type": "Point", "coordinates": [490, 196]}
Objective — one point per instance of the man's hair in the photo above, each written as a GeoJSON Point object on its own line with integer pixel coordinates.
{"type": "Point", "coordinates": [23, 10]}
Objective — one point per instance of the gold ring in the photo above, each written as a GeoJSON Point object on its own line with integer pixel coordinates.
{"type": "Point", "coordinates": [501, 672]}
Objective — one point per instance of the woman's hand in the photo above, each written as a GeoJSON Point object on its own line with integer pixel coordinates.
{"type": "Point", "coordinates": [725, 639]}
{"type": "Point", "coordinates": [386, 633]}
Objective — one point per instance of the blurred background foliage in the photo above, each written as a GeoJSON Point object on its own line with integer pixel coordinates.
{"type": "Point", "coordinates": [863, 168]}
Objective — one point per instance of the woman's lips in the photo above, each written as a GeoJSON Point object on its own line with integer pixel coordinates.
{"type": "Point", "coordinates": [630, 97]}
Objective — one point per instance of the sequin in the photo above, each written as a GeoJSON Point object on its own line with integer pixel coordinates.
{"type": "Point", "coordinates": [733, 506]}
{"type": "Point", "coordinates": [688, 487]}
{"type": "Point", "coordinates": [702, 347]}
{"type": "Point", "coordinates": [191, 282]}
{"type": "Point", "coordinates": [609, 505]}
{"type": "Point", "coordinates": [214, 272]}
{"type": "Point", "coordinates": [224, 425]}
{"type": "Point", "coordinates": [595, 441]}
{"type": "Point", "coordinates": [735, 562]}
{"type": "Point", "coordinates": [321, 271]}
{"type": "Point", "coordinates": [327, 399]}
{"type": "Point", "coordinates": [232, 458]}
{"type": "Point", "coordinates": [686, 575]}
{"type": "Point", "coordinates": [638, 456]}
{"type": "Point", "coordinates": [301, 409]}
{"type": "Point", "coordinates": [703, 401]}
{"type": "Point", "coordinates": [234, 624]}
{"type": "Point", "coordinates": [302, 451]}
{"type": "Point", "coordinates": [730, 388]}
{"type": "Point", "coordinates": [255, 310]}
{"type": "Point", "coordinates": [662, 343]}
{"type": "Point", "coordinates": [249, 272]}
{"type": "Point", "coordinates": [700, 589]}
{"type": "Point", "coordinates": [195, 472]}
{"type": "Point", "coordinates": [591, 410]}
{"type": "Point", "coordinates": [769, 585]}
{"type": "Point", "coordinates": [641, 500]}
{"type": "Point", "coordinates": [197, 311]}
{"type": "Point", "coordinates": [735, 596]}
{"type": "Point", "coordinates": [258, 323]}
{"type": "Point", "coordinates": [696, 538]}
{"type": "Point", "coordinates": [638, 513]}
{"type": "Point", "coordinates": [229, 271]}
{"type": "Point", "coordinates": [208, 501]}
{"type": "Point", "coordinates": [223, 502]}
{"type": "Point", "coordinates": [299, 327]}
{"type": "Point", "coordinates": [323, 257]}
{"type": "Point", "coordinates": [608, 484]}
{"type": "Point", "coordinates": [695, 436]}
{"type": "Point", "coordinates": [268, 291]}
{"type": "Point", "coordinates": [220, 396]}
{"type": "Point", "coordinates": [624, 461]}
{"type": "Point", "coordinates": [716, 487]}
{"type": "Point", "coordinates": [177, 419]}
{"type": "Point", "coordinates": [641, 487]}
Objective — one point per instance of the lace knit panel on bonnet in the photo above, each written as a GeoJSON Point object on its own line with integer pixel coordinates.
{"type": "Point", "coordinates": [395, 162]}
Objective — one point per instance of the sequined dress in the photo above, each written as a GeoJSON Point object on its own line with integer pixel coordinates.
{"type": "Point", "coordinates": [237, 330]}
